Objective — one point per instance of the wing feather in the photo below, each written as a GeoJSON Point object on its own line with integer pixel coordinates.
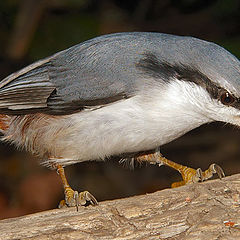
{"type": "Point", "coordinates": [26, 89]}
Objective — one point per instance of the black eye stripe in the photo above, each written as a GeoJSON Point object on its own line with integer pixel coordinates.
{"type": "Point", "coordinates": [151, 66]}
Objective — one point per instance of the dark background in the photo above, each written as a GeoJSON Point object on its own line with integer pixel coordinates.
{"type": "Point", "coordinates": [33, 29]}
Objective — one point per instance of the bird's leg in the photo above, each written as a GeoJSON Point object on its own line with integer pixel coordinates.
{"type": "Point", "coordinates": [189, 175]}
{"type": "Point", "coordinates": [73, 198]}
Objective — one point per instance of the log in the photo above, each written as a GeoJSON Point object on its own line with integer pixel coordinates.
{"type": "Point", "coordinates": [209, 210]}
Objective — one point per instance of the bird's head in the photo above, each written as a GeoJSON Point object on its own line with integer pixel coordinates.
{"type": "Point", "coordinates": [201, 80]}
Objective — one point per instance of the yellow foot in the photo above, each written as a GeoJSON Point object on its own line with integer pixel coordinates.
{"type": "Point", "coordinates": [75, 199]}
{"type": "Point", "coordinates": [191, 175]}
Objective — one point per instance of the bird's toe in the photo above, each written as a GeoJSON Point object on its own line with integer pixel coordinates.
{"type": "Point", "coordinates": [75, 199]}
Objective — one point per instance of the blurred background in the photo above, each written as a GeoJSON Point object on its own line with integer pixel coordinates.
{"type": "Point", "coordinates": [33, 29]}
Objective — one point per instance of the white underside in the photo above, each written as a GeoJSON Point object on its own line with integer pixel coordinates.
{"type": "Point", "coordinates": [144, 122]}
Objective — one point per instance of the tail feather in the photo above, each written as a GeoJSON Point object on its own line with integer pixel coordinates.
{"type": "Point", "coordinates": [4, 119]}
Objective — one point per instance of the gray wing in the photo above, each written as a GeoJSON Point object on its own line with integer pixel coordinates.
{"type": "Point", "coordinates": [90, 74]}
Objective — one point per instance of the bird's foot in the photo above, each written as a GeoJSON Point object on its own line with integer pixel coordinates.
{"type": "Point", "coordinates": [191, 175]}
{"type": "Point", "coordinates": [75, 199]}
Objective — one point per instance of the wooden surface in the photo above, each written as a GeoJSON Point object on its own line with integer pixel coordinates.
{"type": "Point", "coordinates": [209, 210]}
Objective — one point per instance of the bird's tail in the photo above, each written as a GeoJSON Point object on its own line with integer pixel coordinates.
{"type": "Point", "coordinates": [4, 119]}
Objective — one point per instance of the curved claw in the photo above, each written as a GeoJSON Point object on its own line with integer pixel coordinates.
{"type": "Point", "coordinates": [214, 168]}
{"type": "Point", "coordinates": [202, 176]}
{"type": "Point", "coordinates": [191, 175]}
{"type": "Point", "coordinates": [85, 197]}
{"type": "Point", "coordinates": [199, 175]}
{"type": "Point", "coordinates": [218, 170]}
{"type": "Point", "coordinates": [75, 199]}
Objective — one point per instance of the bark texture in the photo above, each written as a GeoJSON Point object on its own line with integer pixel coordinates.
{"type": "Point", "coordinates": [209, 210]}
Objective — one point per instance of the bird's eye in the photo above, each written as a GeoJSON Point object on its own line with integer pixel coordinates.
{"type": "Point", "coordinates": [226, 98]}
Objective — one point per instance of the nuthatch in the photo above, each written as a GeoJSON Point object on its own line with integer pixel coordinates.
{"type": "Point", "coordinates": [121, 94]}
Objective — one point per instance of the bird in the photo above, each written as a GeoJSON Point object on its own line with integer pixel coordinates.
{"type": "Point", "coordinates": [121, 94]}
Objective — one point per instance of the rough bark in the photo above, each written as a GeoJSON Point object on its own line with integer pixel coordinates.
{"type": "Point", "coordinates": [209, 210]}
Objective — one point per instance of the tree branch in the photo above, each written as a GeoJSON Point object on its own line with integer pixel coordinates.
{"type": "Point", "coordinates": [209, 210]}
